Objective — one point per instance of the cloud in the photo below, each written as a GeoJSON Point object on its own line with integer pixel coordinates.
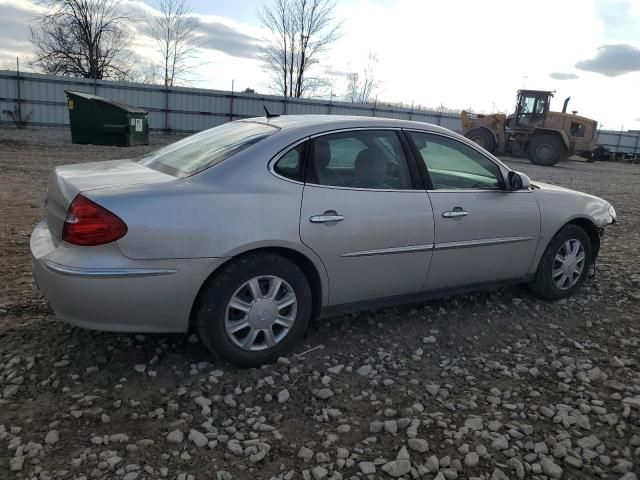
{"type": "Point", "coordinates": [620, 19]}
{"type": "Point", "coordinates": [563, 76]}
{"type": "Point", "coordinates": [335, 73]}
{"type": "Point", "coordinates": [214, 33]}
{"type": "Point", "coordinates": [613, 60]}
{"type": "Point", "coordinates": [14, 23]}
{"type": "Point", "coordinates": [218, 36]}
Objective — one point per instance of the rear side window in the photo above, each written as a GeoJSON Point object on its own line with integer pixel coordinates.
{"type": "Point", "coordinates": [202, 150]}
{"type": "Point", "coordinates": [369, 159]}
{"type": "Point", "coordinates": [290, 164]}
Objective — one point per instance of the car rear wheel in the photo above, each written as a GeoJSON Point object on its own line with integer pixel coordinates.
{"type": "Point", "coordinates": [482, 137]}
{"type": "Point", "coordinates": [546, 149]}
{"type": "Point", "coordinates": [255, 310]}
{"type": "Point", "coordinates": [564, 265]}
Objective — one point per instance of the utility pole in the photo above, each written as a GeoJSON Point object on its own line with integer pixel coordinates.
{"type": "Point", "coordinates": [232, 87]}
{"type": "Point", "coordinates": [19, 96]}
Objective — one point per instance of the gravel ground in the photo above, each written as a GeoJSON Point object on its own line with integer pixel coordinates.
{"type": "Point", "coordinates": [494, 385]}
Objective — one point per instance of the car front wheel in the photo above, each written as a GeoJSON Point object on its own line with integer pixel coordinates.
{"type": "Point", "coordinates": [564, 265]}
{"type": "Point", "coordinates": [255, 310]}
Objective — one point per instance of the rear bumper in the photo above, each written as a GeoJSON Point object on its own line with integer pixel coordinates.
{"type": "Point", "coordinates": [100, 289]}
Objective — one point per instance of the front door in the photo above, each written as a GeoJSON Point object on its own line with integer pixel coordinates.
{"type": "Point", "coordinates": [366, 216]}
{"type": "Point", "coordinates": [483, 233]}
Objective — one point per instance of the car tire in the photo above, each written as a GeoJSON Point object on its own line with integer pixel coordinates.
{"type": "Point", "coordinates": [233, 285]}
{"type": "Point", "coordinates": [546, 149]}
{"type": "Point", "coordinates": [482, 137]}
{"type": "Point", "coordinates": [545, 283]}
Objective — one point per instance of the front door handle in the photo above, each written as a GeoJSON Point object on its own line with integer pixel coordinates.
{"type": "Point", "coordinates": [456, 212]}
{"type": "Point", "coordinates": [326, 217]}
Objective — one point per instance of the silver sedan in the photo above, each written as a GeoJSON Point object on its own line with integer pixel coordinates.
{"type": "Point", "coordinates": [246, 231]}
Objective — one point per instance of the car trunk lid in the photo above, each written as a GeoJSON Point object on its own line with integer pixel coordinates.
{"type": "Point", "coordinates": [67, 181]}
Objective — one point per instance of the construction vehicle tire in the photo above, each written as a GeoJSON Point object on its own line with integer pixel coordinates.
{"type": "Point", "coordinates": [482, 137]}
{"type": "Point", "coordinates": [546, 149]}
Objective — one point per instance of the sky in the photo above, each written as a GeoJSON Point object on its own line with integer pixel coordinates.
{"type": "Point", "coordinates": [461, 54]}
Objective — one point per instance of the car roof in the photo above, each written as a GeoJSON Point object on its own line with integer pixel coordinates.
{"type": "Point", "coordinates": [296, 127]}
{"type": "Point", "coordinates": [311, 124]}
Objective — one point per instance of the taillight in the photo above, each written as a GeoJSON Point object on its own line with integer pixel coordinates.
{"type": "Point", "coordinates": [89, 224]}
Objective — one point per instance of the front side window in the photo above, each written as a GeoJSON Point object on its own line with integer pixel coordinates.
{"type": "Point", "coordinates": [452, 165]}
{"type": "Point", "coordinates": [371, 159]}
{"type": "Point", "coordinates": [202, 150]}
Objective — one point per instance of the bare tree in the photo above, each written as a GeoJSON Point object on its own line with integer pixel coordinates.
{"type": "Point", "coordinates": [360, 87]}
{"type": "Point", "coordinates": [82, 38]}
{"type": "Point", "coordinates": [145, 71]}
{"type": "Point", "coordinates": [175, 33]}
{"type": "Point", "coordinates": [369, 81]}
{"type": "Point", "coordinates": [300, 32]}
{"type": "Point", "coordinates": [353, 88]}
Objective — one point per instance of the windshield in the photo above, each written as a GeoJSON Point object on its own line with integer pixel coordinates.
{"type": "Point", "coordinates": [202, 150]}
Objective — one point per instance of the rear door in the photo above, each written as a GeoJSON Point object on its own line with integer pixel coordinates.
{"type": "Point", "coordinates": [366, 214]}
{"type": "Point", "coordinates": [483, 233]}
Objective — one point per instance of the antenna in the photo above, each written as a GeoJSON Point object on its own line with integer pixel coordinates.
{"type": "Point", "coordinates": [269, 115]}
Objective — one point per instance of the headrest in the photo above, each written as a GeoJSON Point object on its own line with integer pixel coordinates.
{"type": "Point", "coordinates": [370, 168]}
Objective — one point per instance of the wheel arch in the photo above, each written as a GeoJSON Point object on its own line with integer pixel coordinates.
{"type": "Point", "coordinates": [315, 274]}
{"type": "Point", "coordinates": [590, 228]}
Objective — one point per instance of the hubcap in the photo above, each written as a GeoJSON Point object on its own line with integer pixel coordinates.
{"type": "Point", "coordinates": [544, 151]}
{"type": "Point", "coordinates": [568, 264]}
{"type": "Point", "coordinates": [260, 313]}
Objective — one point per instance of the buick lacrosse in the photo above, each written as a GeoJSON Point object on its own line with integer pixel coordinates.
{"type": "Point", "coordinates": [246, 231]}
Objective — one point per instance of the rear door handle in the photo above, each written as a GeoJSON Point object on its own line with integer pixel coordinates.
{"type": "Point", "coordinates": [455, 213]}
{"type": "Point", "coordinates": [326, 217]}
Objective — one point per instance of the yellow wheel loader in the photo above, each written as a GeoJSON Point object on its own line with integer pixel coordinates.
{"type": "Point", "coordinates": [546, 137]}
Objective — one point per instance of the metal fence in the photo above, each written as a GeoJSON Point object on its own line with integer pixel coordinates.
{"type": "Point", "coordinates": [620, 142]}
{"type": "Point", "coordinates": [39, 101]}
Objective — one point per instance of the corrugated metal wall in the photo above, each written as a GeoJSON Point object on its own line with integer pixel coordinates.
{"type": "Point", "coordinates": [622, 142]}
{"type": "Point", "coordinates": [43, 103]}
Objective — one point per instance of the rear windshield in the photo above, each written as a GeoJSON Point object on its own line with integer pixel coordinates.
{"type": "Point", "coordinates": [202, 150]}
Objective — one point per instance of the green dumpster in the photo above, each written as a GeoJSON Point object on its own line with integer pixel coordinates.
{"type": "Point", "coordinates": [100, 121]}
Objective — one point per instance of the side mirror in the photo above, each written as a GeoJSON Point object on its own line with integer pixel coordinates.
{"type": "Point", "coordinates": [518, 181]}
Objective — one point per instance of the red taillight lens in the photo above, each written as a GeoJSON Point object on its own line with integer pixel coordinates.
{"type": "Point", "coordinates": [89, 224]}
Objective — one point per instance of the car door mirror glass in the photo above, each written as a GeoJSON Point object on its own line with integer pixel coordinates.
{"type": "Point", "coordinates": [518, 181]}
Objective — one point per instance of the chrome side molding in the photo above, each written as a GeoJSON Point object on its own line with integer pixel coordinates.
{"type": "Point", "coordinates": [481, 243]}
{"type": "Point", "coordinates": [107, 272]}
{"type": "Point", "coordinates": [389, 251]}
